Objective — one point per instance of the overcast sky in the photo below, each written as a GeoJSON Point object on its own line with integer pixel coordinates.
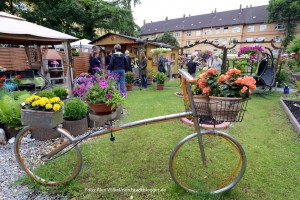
{"type": "Point", "coordinates": [158, 10]}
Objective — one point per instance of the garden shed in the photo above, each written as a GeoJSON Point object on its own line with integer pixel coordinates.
{"type": "Point", "coordinates": [135, 46]}
{"type": "Point", "coordinates": [18, 31]}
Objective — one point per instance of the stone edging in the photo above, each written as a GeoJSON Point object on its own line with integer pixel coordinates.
{"type": "Point", "coordinates": [290, 115]}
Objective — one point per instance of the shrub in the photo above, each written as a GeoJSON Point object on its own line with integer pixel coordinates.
{"type": "Point", "coordinates": [17, 94]}
{"type": "Point", "coordinates": [129, 77]}
{"type": "Point", "coordinates": [160, 77]}
{"type": "Point", "coordinates": [283, 77]}
{"type": "Point", "coordinates": [47, 93]}
{"type": "Point", "coordinates": [75, 109]}
{"type": "Point", "coordinates": [60, 92]}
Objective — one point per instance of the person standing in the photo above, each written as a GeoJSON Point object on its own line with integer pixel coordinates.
{"type": "Point", "coordinates": [191, 65]}
{"type": "Point", "coordinates": [217, 63]}
{"type": "Point", "coordinates": [143, 70]}
{"type": "Point", "coordinates": [161, 64]}
{"type": "Point", "coordinates": [127, 56]}
{"type": "Point", "coordinates": [107, 58]}
{"type": "Point", "coordinates": [94, 60]}
{"type": "Point", "coordinates": [117, 65]}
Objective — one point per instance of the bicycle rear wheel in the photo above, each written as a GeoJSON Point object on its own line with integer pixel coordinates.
{"type": "Point", "coordinates": [32, 156]}
{"type": "Point", "coordinates": [225, 163]}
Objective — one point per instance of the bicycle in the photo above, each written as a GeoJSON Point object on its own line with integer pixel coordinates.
{"type": "Point", "coordinates": [204, 161]}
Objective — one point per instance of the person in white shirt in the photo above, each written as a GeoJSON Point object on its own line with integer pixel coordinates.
{"type": "Point", "coordinates": [217, 63]}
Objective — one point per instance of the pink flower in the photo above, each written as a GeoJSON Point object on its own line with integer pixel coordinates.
{"type": "Point", "coordinates": [103, 83]}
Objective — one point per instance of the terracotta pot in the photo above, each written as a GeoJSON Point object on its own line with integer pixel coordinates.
{"type": "Point", "coordinates": [160, 86]}
{"type": "Point", "coordinates": [202, 104]}
{"type": "Point", "coordinates": [129, 86]}
{"type": "Point", "coordinates": [100, 108]}
{"type": "Point", "coordinates": [10, 132]}
{"type": "Point", "coordinates": [225, 108]}
{"type": "Point", "coordinates": [76, 127]}
{"type": "Point", "coordinates": [149, 81]}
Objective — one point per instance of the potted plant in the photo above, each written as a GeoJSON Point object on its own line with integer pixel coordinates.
{"type": "Point", "coordinates": [129, 78]}
{"type": "Point", "coordinates": [43, 113]}
{"type": "Point", "coordinates": [75, 116]}
{"type": "Point", "coordinates": [160, 77]}
{"type": "Point", "coordinates": [150, 76]}
{"type": "Point", "coordinates": [103, 96]}
{"type": "Point", "coordinates": [60, 92]}
{"type": "Point", "coordinates": [226, 92]}
{"type": "Point", "coordinates": [10, 113]}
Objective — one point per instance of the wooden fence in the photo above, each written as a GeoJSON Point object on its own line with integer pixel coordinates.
{"type": "Point", "coordinates": [16, 59]}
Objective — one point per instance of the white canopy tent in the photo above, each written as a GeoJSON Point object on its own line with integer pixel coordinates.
{"type": "Point", "coordinates": [83, 45]}
{"type": "Point", "coordinates": [16, 30]}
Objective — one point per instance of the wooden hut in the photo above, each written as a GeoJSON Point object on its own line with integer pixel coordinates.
{"type": "Point", "coordinates": [135, 46]}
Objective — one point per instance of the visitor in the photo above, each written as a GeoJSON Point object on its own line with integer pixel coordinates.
{"type": "Point", "coordinates": [117, 65]}
{"type": "Point", "coordinates": [217, 63]}
{"type": "Point", "coordinates": [191, 65]}
{"type": "Point", "coordinates": [262, 65]}
{"type": "Point", "coordinates": [94, 60]}
{"type": "Point", "coordinates": [143, 70]}
{"type": "Point", "coordinates": [127, 56]}
{"type": "Point", "coordinates": [107, 58]}
{"type": "Point", "coordinates": [161, 64]}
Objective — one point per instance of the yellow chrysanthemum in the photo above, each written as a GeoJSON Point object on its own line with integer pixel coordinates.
{"type": "Point", "coordinates": [28, 100]}
{"type": "Point", "coordinates": [44, 99]}
{"type": "Point", "coordinates": [56, 107]}
{"type": "Point", "coordinates": [61, 103]}
{"type": "Point", "coordinates": [49, 106]}
{"type": "Point", "coordinates": [56, 99]}
{"type": "Point", "coordinates": [34, 104]}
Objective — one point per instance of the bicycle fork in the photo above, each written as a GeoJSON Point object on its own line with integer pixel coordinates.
{"type": "Point", "coordinates": [200, 141]}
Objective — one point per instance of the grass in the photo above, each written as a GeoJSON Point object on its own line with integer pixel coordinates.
{"type": "Point", "coordinates": [139, 157]}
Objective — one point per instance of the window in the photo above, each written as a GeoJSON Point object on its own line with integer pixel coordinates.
{"type": "Point", "coordinates": [217, 30]}
{"type": "Point", "coordinates": [279, 27]}
{"type": "Point", "coordinates": [216, 41]}
{"type": "Point", "coordinates": [207, 32]}
{"type": "Point", "coordinates": [232, 51]}
{"type": "Point", "coordinates": [188, 33]}
{"type": "Point", "coordinates": [236, 29]}
{"type": "Point", "coordinates": [275, 51]}
{"type": "Point", "coordinates": [188, 43]}
{"type": "Point", "coordinates": [263, 27]}
{"type": "Point", "coordinates": [187, 51]}
{"type": "Point", "coordinates": [260, 39]}
{"type": "Point", "coordinates": [224, 41]}
{"type": "Point", "coordinates": [250, 28]}
{"type": "Point", "coordinates": [225, 29]}
{"type": "Point", "coordinates": [153, 37]}
{"type": "Point", "coordinates": [277, 38]}
{"type": "Point", "coordinates": [249, 40]}
{"type": "Point", "coordinates": [198, 33]}
{"type": "Point", "coordinates": [215, 51]}
{"type": "Point", "coordinates": [177, 34]}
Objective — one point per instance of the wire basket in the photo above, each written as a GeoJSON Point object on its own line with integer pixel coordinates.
{"type": "Point", "coordinates": [227, 109]}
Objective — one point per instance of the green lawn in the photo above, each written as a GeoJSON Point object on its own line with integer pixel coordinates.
{"type": "Point", "coordinates": [139, 157]}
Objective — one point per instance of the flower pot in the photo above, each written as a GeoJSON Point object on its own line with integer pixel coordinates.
{"type": "Point", "coordinates": [43, 133]}
{"type": "Point", "coordinates": [76, 127]}
{"type": "Point", "coordinates": [10, 132]}
{"type": "Point", "coordinates": [100, 108]}
{"type": "Point", "coordinates": [160, 86]}
{"type": "Point", "coordinates": [202, 104]}
{"type": "Point", "coordinates": [129, 86]}
{"type": "Point", "coordinates": [41, 118]}
{"type": "Point", "coordinates": [176, 75]}
{"type": "Point", "coordinates": [149, 81]}
{"type": "Point", "coordinates": [225, 108]}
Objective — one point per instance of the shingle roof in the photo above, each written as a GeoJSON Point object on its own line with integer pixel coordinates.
{"type": "Point", "coordinates": [250, 15]}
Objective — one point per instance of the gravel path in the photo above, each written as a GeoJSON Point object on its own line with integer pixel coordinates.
{"type": "Point", "coordinates": [10, 171]}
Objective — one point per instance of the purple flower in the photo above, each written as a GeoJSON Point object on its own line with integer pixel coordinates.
{"type": "Point", "coordinates": [103, 83]}
{"type": "Point", "coordinates": [109, 96]}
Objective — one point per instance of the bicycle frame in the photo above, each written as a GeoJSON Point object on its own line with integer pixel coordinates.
{"type": "Point", "coordinates": [187, 79]}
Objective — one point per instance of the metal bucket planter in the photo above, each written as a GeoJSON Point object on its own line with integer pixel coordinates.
{"type": "Point", "coordinates": [77, 127]}
{"type": "Point", "coordinates": [42, 123]}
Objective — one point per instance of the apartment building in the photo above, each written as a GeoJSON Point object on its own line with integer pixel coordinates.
{"type": "Point", "coordinates": [244, 24]}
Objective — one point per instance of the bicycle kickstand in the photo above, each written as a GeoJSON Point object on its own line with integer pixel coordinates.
{"type": "Point", "coordinates": [112, 138]}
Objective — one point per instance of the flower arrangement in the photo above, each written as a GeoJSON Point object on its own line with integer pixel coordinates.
{"type": "Point", "coordinates": [2, 79]}
{"type": "Point", "coordinates": [202, 56]}
{"type": "Point", "coordinates": [160, 50]}
{"type": "Point", "coordinates": [54, 62]}
{"type": "Point", "coordinates": [35, 102]}
{"type": "Point", "coordinates": [231, 84]}
{"type": "Point", "coordinates": [253, 51]}
{"type": "Point", "coordinates": [17, 79]}
{"type": "Point", "coordinates": [99, 88]}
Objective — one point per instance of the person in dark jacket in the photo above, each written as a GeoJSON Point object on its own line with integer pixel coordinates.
{"type": "Point", "coordinates": [94, 61]}
{"type": "Point", "coordinates": [127, 56]}
{"type": "Point", "coordinates": [191, 65]}
{"type": "Point", "coordinates": [143, 70]}
{"type": "Point", "coordinates": [161, 64]}
{"type": "Point", "coordinates": [107, 58]}
{"type": "Point", "coordinates": [117, 65]}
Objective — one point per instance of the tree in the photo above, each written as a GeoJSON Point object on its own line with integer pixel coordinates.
{"type": "Point", "coordinates": [294, 47]}
{"type": "Point", "coordinates": [167, 38]}
{"type": "Point", "coordinates": [11, 6]}
{"type": "Point", "coordinates": [286, 12]}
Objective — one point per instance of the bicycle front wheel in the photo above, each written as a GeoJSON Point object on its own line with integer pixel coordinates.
{"type": "Point", "coordinates": [224, 166]}
{"type": "Point", "coordinates": [33, 155]}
